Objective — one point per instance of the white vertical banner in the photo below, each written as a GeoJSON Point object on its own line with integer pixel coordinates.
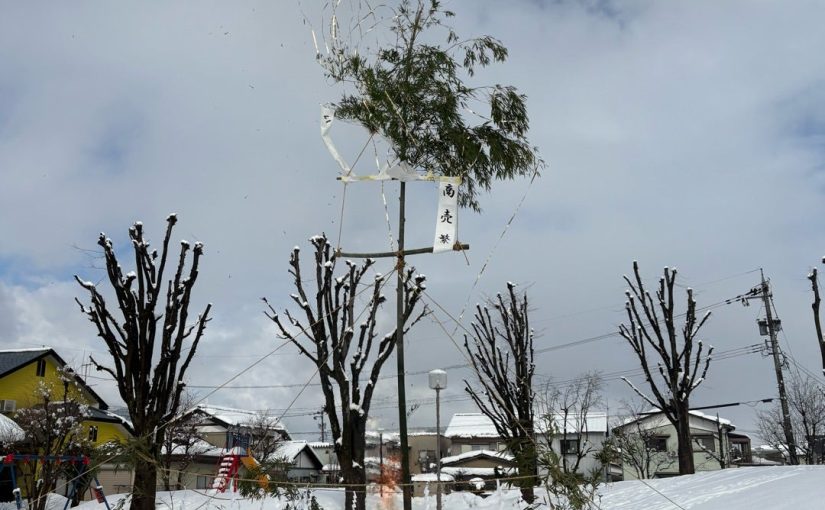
{"type": "Point", "coordinates": [446, 221]}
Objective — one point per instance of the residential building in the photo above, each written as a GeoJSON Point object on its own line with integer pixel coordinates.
{"type": "Point", "coordinates": [325, 451]}
{"type": "Point", "coordinates": [302, 463]}
{"type": "Point", "coordinates": [713, 443]}
{"type": "Point", "coordinates": [477, 469]}
{"type": "Point", "coordinates": [577, 438]}
{"type": "Point", "coordinates": [218, 426]}
{"type": "Point", "coordinates": [215, 421]}
{"type": "Point", "coordinates": [423, 448]}
{"type": "Point", "coordinates": [21, 373]}
{"type": "Point", "coordinates": [468, 432]}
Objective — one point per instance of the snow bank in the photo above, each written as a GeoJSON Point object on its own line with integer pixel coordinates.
{"type": "Point", "coordinates": [796, 487]}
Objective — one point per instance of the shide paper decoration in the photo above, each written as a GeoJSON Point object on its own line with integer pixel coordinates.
{"type": "Point", "coordinates": [446, 223]}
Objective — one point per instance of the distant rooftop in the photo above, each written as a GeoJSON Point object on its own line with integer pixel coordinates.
{"type": "Point", "coordinates": [234, 417]}
{"type": "Point", "coordinates": [471, 425]}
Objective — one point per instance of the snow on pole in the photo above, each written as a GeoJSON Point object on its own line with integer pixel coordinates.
{"type": "Point", "coordinates": [446, 221]}
{"type": "Point", "coordinates": [427, 495]}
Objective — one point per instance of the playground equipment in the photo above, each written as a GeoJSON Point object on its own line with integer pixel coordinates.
{"type": "Point", "coordinates": [10, 460]}
{"type": "Point", "coordinates": [235, 455]}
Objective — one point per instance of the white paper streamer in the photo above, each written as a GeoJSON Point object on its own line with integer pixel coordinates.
{"type": "Point", "coordinates": [327, 116]}
{"type": "Point", "coordinates": [446, 221]}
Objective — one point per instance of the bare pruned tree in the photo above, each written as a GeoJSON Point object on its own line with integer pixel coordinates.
{"type": "Point", "coordinates": [675, 355]}
{"type": "Point", "coordinates": [807, 405]}
{"type": "Point", "coordinates": [813, 276]}
{"type": "Point", "coordinates": [52, 427]}
{"type": "Point", "coordinates": [151, 345]}
{"type": "Point", "coordinates": [340, 342]}
{"type": "Point", "coordinates": [265, 435]}
{"type": "Point", "coordinates": [565, 412]}
{"type": "Point", "coordinates": [501, 351]}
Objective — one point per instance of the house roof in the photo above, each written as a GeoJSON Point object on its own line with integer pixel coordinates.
{"type": "Point", "coordinates": [199, 447]}
{"type": "Point", "coordinates": [461, 471]}
{"type": "Point", "coordinates": [471, 425]}
{"type": "Point", "coordinates": [432, 477]}
{"type": "Point", "coordinates": [103, 415]}
{"type": "Point", "coordinates": [15, 359]}
{"type": "Point", "coordinates": [656, 412]}
{"type": "Point", "coordinates": [476, 454]}
{"type": "Point", "coordinates": [10, 431]}
{"type": "Point", "coordinates": [231, 417]}
{"type": "Point", "coordinates": [290, 450]}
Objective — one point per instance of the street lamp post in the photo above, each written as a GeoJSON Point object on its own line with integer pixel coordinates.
{"type": "Point", "coordinates": [438, 382]}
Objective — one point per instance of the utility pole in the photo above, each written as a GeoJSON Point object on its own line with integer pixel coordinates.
{"type": "Point", "coordinates": [777, 365]}
{"type": "Point", "coordinates": [406, 484]}
{"type": "Point", "coordinates": [381, 462]}
{"type": "Point", "coordinates": [406, 480]}
{"type": "Point", "coordinates": [323, 425]}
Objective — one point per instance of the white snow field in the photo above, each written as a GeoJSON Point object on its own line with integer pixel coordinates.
{"type": "Point", "coordinates": [755, 488]}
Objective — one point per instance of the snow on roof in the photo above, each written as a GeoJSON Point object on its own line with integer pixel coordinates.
{"type": "Point", "coordinates": [198, 447]}
{"type": "Point", "coordinates": [376, 461]}
{"type": "Point", "coordinates": [471, 425]}
{"type": "Point", "coordinates": [476, 453]}
{"type": "Point", "coordinates": [656, 412]}
{"type": "Point", "coordinates": [232, 416]}
{"type": "Point", "coordinates": [479, 425]}
{"type": "Point", "coordinates": [289, 450]}
{"type": "Point", "coordinates": [106, 415]}
{"type": "Point", "coordinates": [475, 471]}
{"type": "Point", "coordinates": [432, 477]}
{"type": "Point", "coordinates": [28, 349]}
{"type": "Point", "coordinates": [722, 421]}
{"type": "Point", "coordinates": [10, 431]}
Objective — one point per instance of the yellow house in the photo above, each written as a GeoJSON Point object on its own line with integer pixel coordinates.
{"type": "Point", "coordinates": [22, 371]}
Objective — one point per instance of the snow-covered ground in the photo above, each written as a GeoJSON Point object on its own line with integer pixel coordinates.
{"type": "Point", "coordinates": [758, 488]}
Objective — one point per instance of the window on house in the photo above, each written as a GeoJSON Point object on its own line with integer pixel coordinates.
{"type": "Point", "coordinates": [41, 368]}
{"type": "Point", "coordinates": [426, 454]}
{"type": "Point", "coordinates": [426, 458]}
{"type": "Point", "coordinates": [704, 443]}
{"type": "Point", "coordinates": [203, 482]}
{"type": "Point", "coordinates": [93, 433]}
{"type": "Point", "coordinates": [657, 443]}
{"type": "Point", "coordinates": [477, 447]}
{"type": "Point", "coordinates": [569, 446]}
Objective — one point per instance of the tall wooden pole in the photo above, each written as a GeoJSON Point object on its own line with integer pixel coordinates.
{"type": "Point", "coordinates": [406, 487]}
{"type": "Point", "coordinates": [438, 448]}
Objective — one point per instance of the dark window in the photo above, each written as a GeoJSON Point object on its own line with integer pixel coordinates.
{"type": "Point", "coordinates": [204, 482]}
{"type": "Point", "coordinates": [93, 433]}
{"type": "Point", "coordinates": [569, 446]}
{"type": "Point", "coordinates": [41, 368]}
{"type": "Point", "coordinates": [657, 443]}
{"type": "Point", "coordinates": [704, 443]}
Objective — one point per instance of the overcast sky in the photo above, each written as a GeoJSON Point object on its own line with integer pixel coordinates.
{"type": "Point", "coordinates": [685, 134]}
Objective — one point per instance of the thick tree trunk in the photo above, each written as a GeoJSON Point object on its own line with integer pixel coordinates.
{"type": "Point", "coordinates": [145, 485]}
{"type": "Point", "coordinates": [528, 468]}
{"type": "Point", "coordinates": [351, 460]}
{"type": "Point", "coordinates": [685, 448]}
